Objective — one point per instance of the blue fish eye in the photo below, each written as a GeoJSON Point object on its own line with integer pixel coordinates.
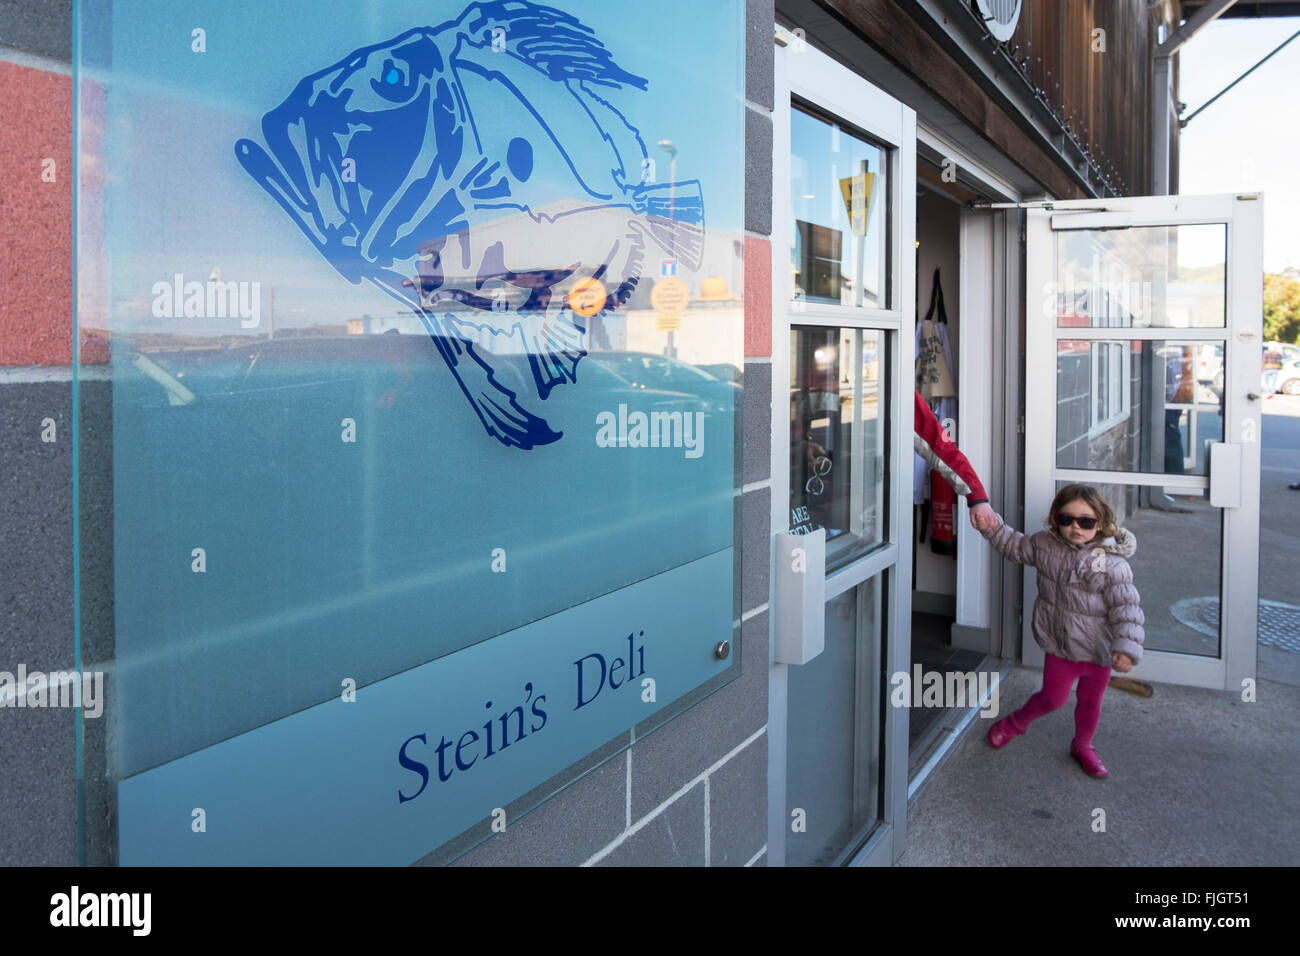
{"type": "Point", "coordinates": [392, 76]}
{"type": "Point", "coordinates": [519, 157]}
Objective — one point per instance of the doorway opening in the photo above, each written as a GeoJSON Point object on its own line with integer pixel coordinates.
{"type": "Point", "coordinates": [937, 519]}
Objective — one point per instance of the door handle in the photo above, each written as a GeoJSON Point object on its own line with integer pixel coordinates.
{"type": "Point", "coordinates": [1225, 475]}
{"type": "Point", "coordinates": [800, 596]}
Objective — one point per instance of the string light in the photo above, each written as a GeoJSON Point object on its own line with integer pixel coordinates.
{"type": "Point", "coordinates": [1103, 170]}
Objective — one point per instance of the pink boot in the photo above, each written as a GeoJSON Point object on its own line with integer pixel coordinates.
{"type": "Point", "coordinates": [1089, 761]}
{"type": "Point", "coordinates": [1002, 732]}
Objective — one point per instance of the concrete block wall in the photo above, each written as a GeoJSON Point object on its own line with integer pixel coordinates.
{"type": "Point", "coordinates": [38, 747]}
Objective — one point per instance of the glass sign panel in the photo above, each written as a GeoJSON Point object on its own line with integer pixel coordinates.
{"type": "Point", "coordinates": [425, 330]}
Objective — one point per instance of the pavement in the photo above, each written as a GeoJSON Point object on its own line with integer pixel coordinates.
{"type": "Point", "coordinates": [1197, 777]}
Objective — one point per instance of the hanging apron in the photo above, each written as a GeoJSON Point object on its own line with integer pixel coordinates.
{"type": "Point", "coordinates": [937, 385]}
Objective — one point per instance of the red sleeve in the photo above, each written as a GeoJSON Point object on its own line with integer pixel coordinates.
{"type": "Point", "coordinates": [932, 436]}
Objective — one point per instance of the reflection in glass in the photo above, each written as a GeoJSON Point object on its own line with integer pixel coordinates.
{"type": "Point", "coordinates": [336, 538]}
{"type": "Point", "coordinates": [839, 197]}
{"type": "Point", "coordinates": [1143, 277]}
{"type": "Point", "coordinates": [837, 435]}
{"type": "Point", "coordinates": [834, 713]}
{"type": "Point", "coordinates": [362, 364]}
{"type": "Point", "coordinates": [1132, 405]}
{"type": "Point", "coordinates": [1176, 567]}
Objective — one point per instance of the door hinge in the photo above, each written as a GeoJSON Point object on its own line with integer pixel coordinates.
{"type": "Point", "coordinates": [1020, 425]}
{"type": "Point", "coordinates": [1020, 618]}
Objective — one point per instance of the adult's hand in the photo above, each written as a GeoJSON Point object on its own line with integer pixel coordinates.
{"type": "Point", "coordinates": [983, 517]}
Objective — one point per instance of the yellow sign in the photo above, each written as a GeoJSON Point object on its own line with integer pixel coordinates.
{"type": "Point", "coordinates": [668, 323]}
{"type": "Point", "coordinates": [670, 296]}
{"type": "Point", "coordinates": [857, 200]}
{"type": "Point", "coordinates": [714, 287]}
{"type": "Point", "coordinates": [587, 297]}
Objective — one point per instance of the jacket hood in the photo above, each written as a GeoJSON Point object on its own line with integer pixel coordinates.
{"type": "Point", "coordinates": [1124, 547]}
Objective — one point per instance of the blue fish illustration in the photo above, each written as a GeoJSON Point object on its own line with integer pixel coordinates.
{"type": "Point", "coordinates": [476, 170]}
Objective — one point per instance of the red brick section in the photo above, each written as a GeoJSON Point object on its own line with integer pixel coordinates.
{"type": "Point", "coordinates": [758, 297]}
{"type": "Point", "coordinates": [92, 266]}
{"type": "Point", "coordinates": [35, 218]}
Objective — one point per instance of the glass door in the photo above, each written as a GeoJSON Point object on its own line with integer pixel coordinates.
{"type": "Point", "coordinates": [1143, 346]}
{"type": "Point", "coordinates": [843, 316]}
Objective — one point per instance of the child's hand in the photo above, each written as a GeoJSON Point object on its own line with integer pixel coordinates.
{"type": "Point", "coordinates": [984, 518]}
{"type": "Point", "coordinates": [1121, 662]}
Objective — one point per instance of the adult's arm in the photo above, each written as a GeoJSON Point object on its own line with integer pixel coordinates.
{"type": "Point", "coordinates": [943, 455]}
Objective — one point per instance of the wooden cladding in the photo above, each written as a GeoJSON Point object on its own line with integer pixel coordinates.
{"type": "Point", "coordinates": [1098, 82]}
{"type": "Point", "coordinates": [1093, 60]}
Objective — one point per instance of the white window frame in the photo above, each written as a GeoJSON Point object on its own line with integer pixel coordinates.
{"type": "Point", "coordinates": [1116, 386]}
{"type": "Point", "coordinates": [809, 75]}
{"type": "Point", "coordinates": [1109, 291]}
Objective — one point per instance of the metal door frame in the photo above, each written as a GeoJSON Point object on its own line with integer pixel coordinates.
{"type": "Point", "coordinates": [1241, 336]}
{"type": "Point", "coordinates": [805, 72]}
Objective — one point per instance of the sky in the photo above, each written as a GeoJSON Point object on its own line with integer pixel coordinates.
{"type": "Point", "coordinates": [1249, 140]}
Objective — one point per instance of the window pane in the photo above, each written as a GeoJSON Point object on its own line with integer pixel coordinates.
{"type": "Point", "coordinates": [1144, 277]}
{"type": "Point", "coordinates": [1149, 406]}
{"type": "Point", "coordinates": [839, 197]}
{"type": "Point", "coordinates": [1176, 567]}
{"type": "Point", "coordinates": [837, 435]}
{"type": "Point", "coordinates": [833, 776]}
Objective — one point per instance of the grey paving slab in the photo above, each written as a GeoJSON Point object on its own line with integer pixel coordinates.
{"type": "Point", "coordinates": [1197, 777]}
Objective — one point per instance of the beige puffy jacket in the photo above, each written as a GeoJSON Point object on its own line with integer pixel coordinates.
{"type": "Point", "coordinates": [1087, 606]}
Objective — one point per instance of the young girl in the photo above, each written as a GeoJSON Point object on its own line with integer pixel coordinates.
{"type": "Point", "coordinates": [1086, 617]}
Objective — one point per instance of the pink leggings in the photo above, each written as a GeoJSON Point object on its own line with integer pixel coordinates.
{"type": "Point", "coordinates": [1058, 677]}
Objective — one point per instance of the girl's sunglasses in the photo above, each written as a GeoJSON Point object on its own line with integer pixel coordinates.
{"type": "Point", "coordinates": [1087, 524]}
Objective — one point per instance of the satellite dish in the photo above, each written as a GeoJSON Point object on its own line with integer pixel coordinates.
{"type": "Point", "coordinates": [999, 16]}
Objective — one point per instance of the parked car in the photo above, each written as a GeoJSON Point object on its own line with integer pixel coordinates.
{"type": "Point", "coordinates": [1288, 377]}
{"type": "Point", "coordinates": [386, 367]}
{"type": "Point", "coordinates": [644, 370]}
{"type": "Point", "coordinates": [722, 371]}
